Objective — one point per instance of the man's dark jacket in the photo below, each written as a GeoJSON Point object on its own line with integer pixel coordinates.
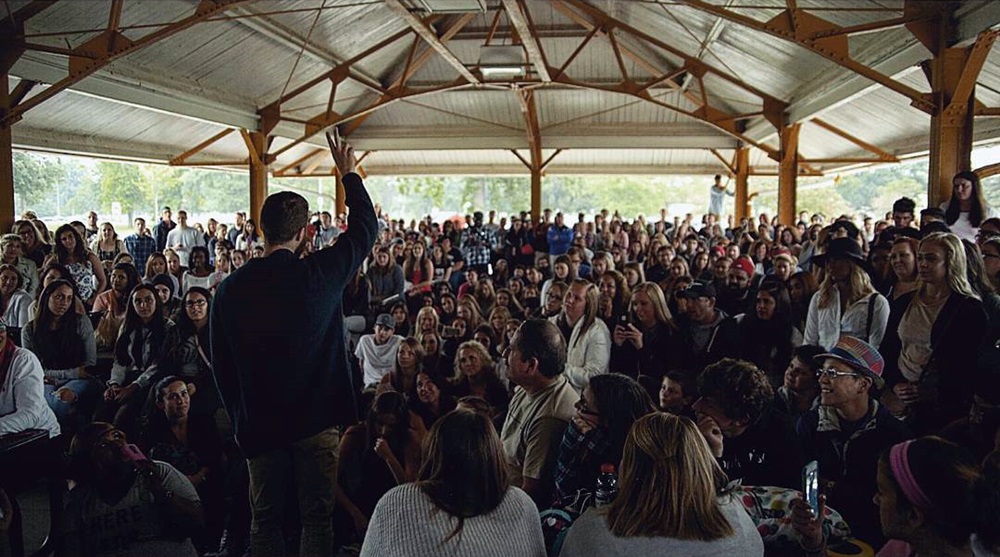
{"type": "Point", "coordinates": [277, 326]}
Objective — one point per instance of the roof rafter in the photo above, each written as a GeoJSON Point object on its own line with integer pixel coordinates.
{"type": "Point", "coordinates": [110, 46]}
{"type": "Point", "coordinates": [805, 29]}
{"type": "Point", "coordinates": [517, 12]}
{"type": "Point", "coordinates": [431, 38]}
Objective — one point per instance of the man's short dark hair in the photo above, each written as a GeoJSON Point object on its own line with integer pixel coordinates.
{"type": "Point", "coordinates": [904, 205]}
{"type": "Point", "coordinates": [541, 339]}
{"type": "Point", "coordinates": [738, 387]}
{"type": "Point", "coordinates": [284, 214]}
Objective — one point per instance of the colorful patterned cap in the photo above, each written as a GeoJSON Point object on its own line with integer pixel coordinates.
{"type": "Point", "coordinates": [860, 355]}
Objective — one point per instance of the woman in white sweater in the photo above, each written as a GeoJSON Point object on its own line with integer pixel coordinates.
{"type": "Point", "coordinates": [588, 341]}
{"type": "Point", "coordinates": [462, 502]}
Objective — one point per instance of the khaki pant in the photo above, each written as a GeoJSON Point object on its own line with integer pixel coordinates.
{"type": "Point", "coordinates": [313, 464]}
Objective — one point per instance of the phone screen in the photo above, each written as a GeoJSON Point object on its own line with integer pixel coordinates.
{"type": "Point", "coordinates": [810, 485]}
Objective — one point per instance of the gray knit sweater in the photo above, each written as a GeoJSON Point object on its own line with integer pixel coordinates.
{"type": "Point", "coordinates": [406, 522]}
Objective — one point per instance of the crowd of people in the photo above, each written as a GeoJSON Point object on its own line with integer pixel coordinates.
{"type": "Point", "coordinates": [507, 366]}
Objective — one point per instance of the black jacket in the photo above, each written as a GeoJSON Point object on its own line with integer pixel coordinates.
{"type": "Point", "coordinates": [724, 343]}
{"type": "Point", "coordinates": [849, 459]}
{"type": "Point", "coordinates": [955, 343]}
{"type": "Point", "coordinates": [767, 453]}
{"type": "Point", "coordinates": [277, 328]}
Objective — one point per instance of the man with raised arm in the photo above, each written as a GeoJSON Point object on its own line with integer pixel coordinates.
{"type": "Point", "coordinates": [280, 361]}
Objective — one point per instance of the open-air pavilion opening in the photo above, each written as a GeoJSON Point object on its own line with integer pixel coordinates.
{"type": "Point", "coordinates": [751, 88]}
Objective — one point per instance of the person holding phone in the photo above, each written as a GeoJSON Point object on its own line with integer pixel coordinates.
{"type": "Point", "coordinates": [847, 432]}
{"type": "Point", "coordinates": [642, 337]}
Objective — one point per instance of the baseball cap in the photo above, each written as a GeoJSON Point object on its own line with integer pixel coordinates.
{"type": "Point", "coordinates": [698, 289]}
{"type": "Point", "coordinates": [385, 320]}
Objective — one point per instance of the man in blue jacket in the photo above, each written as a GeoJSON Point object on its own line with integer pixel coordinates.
{"type": "Point", "coordinates": [280, 361]}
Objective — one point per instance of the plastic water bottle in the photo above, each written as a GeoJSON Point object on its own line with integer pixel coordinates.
{"type": "Point", "coordinates": [606, 488]}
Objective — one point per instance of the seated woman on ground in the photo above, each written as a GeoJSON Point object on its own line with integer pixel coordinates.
{"type": "Point", "coordinates": [186, 351]}
{"type": "Point", "coordinates": [610, 404]}
{"type": "Point", "coordinates": [375, 456]}
{"type": "Point", "coordinates": [83, 264]}
{"type": "Point", "coordinates": [409, 363]}
{"type": "Point", "coordinates": [668, 500]}
{"type": "Point", "coordinates": [433, 398]}
{"type": "Point", "coordinates": [475, 375]}
{"type": "Point", "coordinates": [64, 342]}
{"type": "Point", "coordinates": [190, 443]}
{"type": "Point", "coordinates": [15, 303]}
{"type": "Point", "coordinates": [495, 519]}
{"type": "Point", "coordinates": [138, 354]}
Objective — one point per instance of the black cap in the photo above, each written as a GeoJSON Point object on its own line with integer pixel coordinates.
{"type": "Point", "coordinates": [698, 289]}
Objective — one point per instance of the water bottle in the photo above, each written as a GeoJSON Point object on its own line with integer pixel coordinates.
{"type": "Point", "coordinates": [606, 488]}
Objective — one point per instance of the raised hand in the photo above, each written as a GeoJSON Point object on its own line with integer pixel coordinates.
{"type": "Point", "coordinates": [342, 152]}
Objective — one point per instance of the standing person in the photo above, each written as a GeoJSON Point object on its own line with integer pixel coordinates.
{"type": "Point", "coordinates": [967, 208]}
{"type": "Point", "coordinates": [717, 197]}
{"type": "Point", "coordinates": [182, 238]}
{"type": "Point", "coordinates": [163, 228]}
{"type": "Point", "coordinates": [299, 330]}
{"type": "Point", "coordinates": [140, 244]}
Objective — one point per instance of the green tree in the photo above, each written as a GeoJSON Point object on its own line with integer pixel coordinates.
{"type": "Point", "coordinates": [34, 179]}
{"type": "Point", "coordinates": [124, 184]}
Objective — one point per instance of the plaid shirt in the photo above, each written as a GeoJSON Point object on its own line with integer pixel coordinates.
{"type": "Point", "coordinates": [577, 452]}
{"type": "Point", "coordinates": [140, 248]}
{"type": "Point", "coordinates": [477, 243]}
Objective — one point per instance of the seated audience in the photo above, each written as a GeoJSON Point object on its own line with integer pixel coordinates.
{"type": "Point", "coordinates": [377, 352]}
{"type": "Point", "coordinates": [124, 503]}
{"type": "Point", "coordinates": [475, 375]}
{"type": "Point", "coordinates": [608, 407]}
{"type": "Point", "coordinates": [799, 391]}
{"type": "Point", "coordinates": [754, 442]}
{"type": "Point", "coordinates": [15, 302]}
{"type": "Point", "coordinates": [848, 431]}
{"type": "Point", "coordinates": [22, 391]}
{"type": "Point", "coordinates": [678, 391]}
{"type": "Point", "coordinates": [588, 342]}
{"type": "Point", "coordinates": [441, 514]}
{"type": "Point", "coordinates": [707, 334]}
{"type": "Point", "coordinates": [186, 351]}
{"type": "Point", "coordinates": [409, 363]}
{"type": "Point", "coordinates": [668, 501]}
{"type": "Point", "coordinates": [644, 337]}
{"type": "Point", "coordinates": [64, 343]}
{"type": "Point", "coordinates": [767, 334]}
{"type": "Point", "coordinates": [434, 398]}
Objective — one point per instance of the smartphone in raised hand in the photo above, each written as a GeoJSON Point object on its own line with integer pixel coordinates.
{"type": "Point", "coordinates": [810, 485]}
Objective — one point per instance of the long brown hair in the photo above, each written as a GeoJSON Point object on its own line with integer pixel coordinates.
{"type": "Point", "coordinates": [669, 483]}
{"type": "Point", "coordinates": [464, 472]}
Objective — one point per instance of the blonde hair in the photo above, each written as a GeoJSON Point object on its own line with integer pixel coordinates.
{"type": "Point", "coordinates": [859, 286]}
{"type": "Point", "coordinates": [484, 357]}
{"type": "Point", "coordinates": [591, 296]}
{"type": "Point", "coordinates": [669, 484]}
{"type": "Point", "coordinates": [955, 265]}
{"type": "Point", "coordinates": [655, 295]}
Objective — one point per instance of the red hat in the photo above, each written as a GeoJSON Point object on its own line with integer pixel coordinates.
{"type": "Point", "coordinates": [744, 264]}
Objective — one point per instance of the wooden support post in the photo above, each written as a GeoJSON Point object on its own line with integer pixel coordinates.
{"type": "Point", "coordinates": [6, 161]}
{"type": "Point", "coordinates": [258, 173]}
{"type": "Point", "coordinates": [742, 184]}
{"type": "Point", "coordinates": [340, 197]}
{"type": "Point", "coordinates": [536, 194]}
{"type": "Point", "coordinates": [788, 173]}
{"type": "Point", "coordinates": [951, 126]}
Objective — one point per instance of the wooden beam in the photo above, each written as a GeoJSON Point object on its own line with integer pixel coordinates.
{"type": "Point", "coordinates": [552, 157]}
{"type": "Point", "coordinates": [243, 162]}
{"type": "Point", "coordinates": [516, 12]}
{"type": "Point", "coordinates": [833, 48]}
{"type": "Point", "coordinates": [255, 155]}
{"type": "Point", "coordinates": [975, 59]}
{"type": "Point", "coordinates": [788, 174]}
{"type": "Point", "coordinates": [885, 156]}
{"type": "Point", "coordinates": [257, 146]}
{"type": "Point", "coordinates": [418, 62]}
{"type": "Point", "coordinates": [729, 167]}
{"type": "Point", "coordinates": [81, 68]}
{"type": "Point", "coordinates": [21, 90]}
{"type": "Point", "coordinates": [987, 171]}
{"type": "Point", "coordinates": [523, 160]}
{"type": "Point", "coordinates": [181, 158]}
{"type": "Point", "coordinates": [281, 171]}
{"type": "Point", "coordinates": [29, 11]}
{"type": "Point", "coordinates": [845, 160]}
{"type": "Point", "coordinates": [6, 161]}
{"type": "Point", "coordinates": [988, 111]}
{"type": "Point", "coordinates": [530, 110]}
{"type": "Point", "coordinates": [431, 38]}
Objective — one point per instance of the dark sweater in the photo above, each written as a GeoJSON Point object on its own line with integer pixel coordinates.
{"type": "Point", "coordinates": [278, 337]}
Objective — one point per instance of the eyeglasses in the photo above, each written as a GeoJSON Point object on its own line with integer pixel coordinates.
{"type": "Point", "coordinates": [581, 407]}
{"type": "Point", "coordinates": [833, 373]}
{"type": "Point", "coordinates": [196, 303]}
